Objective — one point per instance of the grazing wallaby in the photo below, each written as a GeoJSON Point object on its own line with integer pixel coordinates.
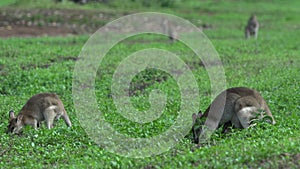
{"type": "Point", "coordinates": [173, 36]}
{"type": "Point", "coordinates": [170, 31]}
{"type": "Point", "coordinates": [252, 27]}
{"type": "Point", "coordinates": [241, 106]}
{"type": "Point", "coordinates": [40, 107]}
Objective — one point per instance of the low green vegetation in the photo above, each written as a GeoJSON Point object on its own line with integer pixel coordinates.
{"type": "Point", "coordinates": [270, 64]}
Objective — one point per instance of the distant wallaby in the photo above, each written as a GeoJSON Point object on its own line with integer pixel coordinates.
{"type": "Point", "coordinates": [173, 35]}
{"type": "Point", "coordinates": [252, 27]}
{"type": "Point", "coordinates": [241, 106]}
{"type": "Point", "coordinates": [40, 107]}
{"type": "Point", "coordinates": [170, 30]}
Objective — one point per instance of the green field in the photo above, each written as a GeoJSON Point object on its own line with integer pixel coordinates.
{"type": "Point", "coordinates": [270, 64]}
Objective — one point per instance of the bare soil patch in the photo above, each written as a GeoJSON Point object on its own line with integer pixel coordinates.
{"type": "Point", "coordinates": [25, 31]}
{"type": "Point", "coordinates": [50, 22]}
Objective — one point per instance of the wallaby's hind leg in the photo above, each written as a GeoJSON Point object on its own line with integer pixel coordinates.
{"type": "Point", "coordinates": [49, 115]}
{"type": "Point", "coordinates": [34, 123]}
{"type": "Point", "coordinates": [247, 34]}
{"type": "Point", "coordinates": [256, 33]}
{"type": "Point", "coordinates": [236, 121]}
{"type": "Point", "coordinates": [66, 118]}
{"type": "Point", "coordinates": [245, 115]}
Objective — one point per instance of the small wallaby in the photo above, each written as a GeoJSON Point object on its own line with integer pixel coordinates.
{"type": "Point", "coordinates": [173, 35]}
{"type": "Point", "coordinates": [40, 107]}
{"type": "Point", "coordinates": [241, 106]}
{"type": "Point", "coordinates": [170, 30]}
{"type": "Point", "coordinates": [252, 27]}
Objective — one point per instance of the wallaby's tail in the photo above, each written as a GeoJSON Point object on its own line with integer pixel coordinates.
{"type": "Point", "coordinates": [66, 119]}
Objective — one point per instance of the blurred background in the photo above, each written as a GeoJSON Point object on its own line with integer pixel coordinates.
{"type": "Point", "coordinates": [65, 17]}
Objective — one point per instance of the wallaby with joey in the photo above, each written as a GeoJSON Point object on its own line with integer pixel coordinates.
{"type": "Point", "coordinates": [252, 27]}
{"type": "Point", "coordinates": [40, 107]}
{"type": "Point", "coordinates": [235, 107]}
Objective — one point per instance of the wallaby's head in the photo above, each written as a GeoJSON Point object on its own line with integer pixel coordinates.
{"type": "Point", "coordinates": [197, 126]}
{"type": "Point", "coordinates": [253, 17]}
{"type": "Point", "coordinates": [15, 123]}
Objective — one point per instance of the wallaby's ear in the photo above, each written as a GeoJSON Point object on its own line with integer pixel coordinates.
{"type": "Point", "coordinates": [11, 114]}
{"type": "Point", "coordinates": [19, 118]}
{"type": "Point", "coordinates": [194, 116]}
{"type": "Point", "coordinates": [200, 114]}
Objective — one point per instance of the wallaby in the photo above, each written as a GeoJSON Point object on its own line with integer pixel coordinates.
{"type": "Point", "coordinates": [40, 107]}
{"type": "Point", "coordinates": [173, 35]}
{"type": "Point", "coordinates": [252, 27]}
{"type": "Point", "coordinates": [170, 30]}
{"type": "Point", "coordinates": [241, 106]}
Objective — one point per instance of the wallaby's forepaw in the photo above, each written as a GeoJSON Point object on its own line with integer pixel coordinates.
{"type": "Point", "coordinates": [197, 146]}
{"type": "Point", "coordinates": [260, 118]}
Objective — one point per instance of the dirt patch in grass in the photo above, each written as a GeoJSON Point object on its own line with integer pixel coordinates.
{"type": "Point", "coordinates": [15, 22]}
{"type": "Point", "coordinates": [284, 160]}
{"type": "Point", "coordinates": [64, 58]}
{"type": "Point", "coordinates": [25, 31]}
{"type": "Point", "coordinates": [34, 66]}
{"type": "Point", "coordinates": [51, 22]}
{"type": "Point", "coordinates": [139, 86]}
{"type": "Point", "coordinates": [46, 65]}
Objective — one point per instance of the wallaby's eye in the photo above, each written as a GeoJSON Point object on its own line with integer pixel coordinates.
{"type": "Point", "coordinates": [11, 125]}
{"type": "Point", "coordinates": [10, 128]}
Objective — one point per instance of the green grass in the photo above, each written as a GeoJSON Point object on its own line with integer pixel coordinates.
{"type": "Point", "coordinates": [6, 3]}
{"type": "Point", "coordinates": [270, 64]}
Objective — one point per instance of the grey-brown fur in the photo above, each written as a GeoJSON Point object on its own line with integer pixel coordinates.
{"type": "Point", "coordinates": [237, 99]}
{"type": "Point", "coordinates": [252, 27]}
{"type": "Point", "coordinates": [40, 107]}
